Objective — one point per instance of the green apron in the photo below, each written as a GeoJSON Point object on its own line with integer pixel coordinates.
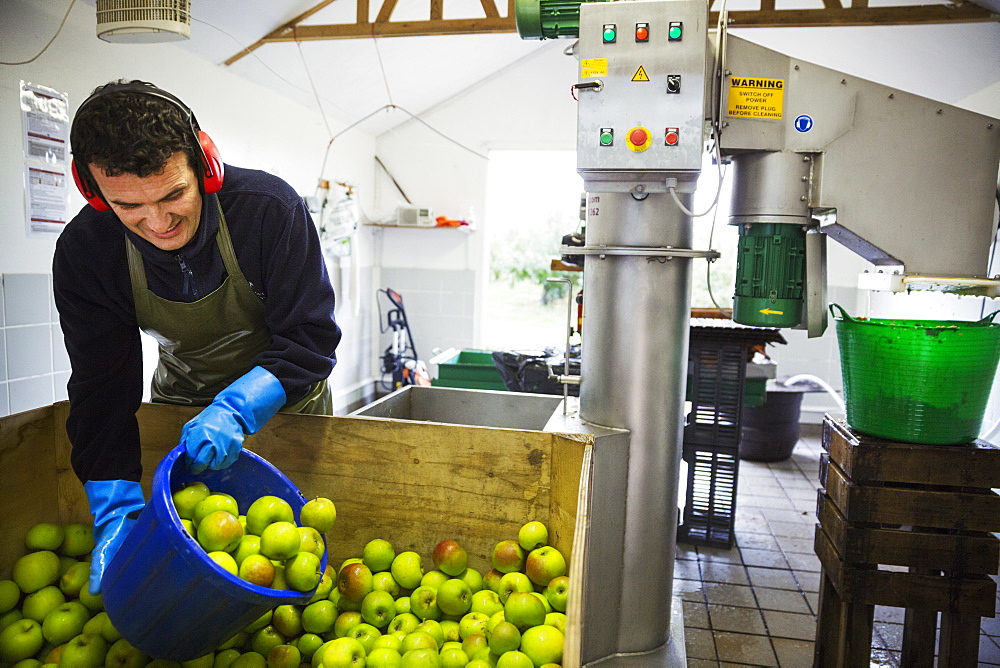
{"type": "Point", "coordinates": [207, 344]}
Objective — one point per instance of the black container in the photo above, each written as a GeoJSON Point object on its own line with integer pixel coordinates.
{"type": "Point", "coordinates": [770, 431]}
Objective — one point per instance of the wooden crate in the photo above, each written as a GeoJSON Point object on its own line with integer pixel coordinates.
{"type": "Point", "coordinates": [409, 482]}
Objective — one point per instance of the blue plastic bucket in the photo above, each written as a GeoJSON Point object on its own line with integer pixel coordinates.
{"type": "Point", "coordinates": [163, 593]}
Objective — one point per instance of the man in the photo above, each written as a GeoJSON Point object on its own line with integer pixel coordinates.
{"type": "Point", "coordinates": [221, 265]}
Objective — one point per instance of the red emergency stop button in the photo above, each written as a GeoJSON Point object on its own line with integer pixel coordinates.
{"type": "Point", "coordinates": [638, 139]}
{"type": "Point", "coordinates": [671, 137]}
{"type": "Point", "coordinates": [638, 136]}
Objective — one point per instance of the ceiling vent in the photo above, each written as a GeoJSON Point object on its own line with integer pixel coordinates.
{"type": "Point", "coordinates": [143, 21]}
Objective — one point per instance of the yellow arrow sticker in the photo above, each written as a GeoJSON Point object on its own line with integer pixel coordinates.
{"type": "Point", "coordinates": [767, 311]}
{"type": "Point", "coordinates": [640, 74]}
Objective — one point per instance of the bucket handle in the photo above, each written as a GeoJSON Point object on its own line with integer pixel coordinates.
{"type": "Point", "coordinates": [845, 316]}
{"type": "Point", "coordinates": [988, 320]}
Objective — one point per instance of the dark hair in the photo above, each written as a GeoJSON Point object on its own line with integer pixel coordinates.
{"type": "Point", "coordinates": [128, 131]}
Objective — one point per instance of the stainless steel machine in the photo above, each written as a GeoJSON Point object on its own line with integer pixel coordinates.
{"type": "Point", "coordinates": [906, 182]}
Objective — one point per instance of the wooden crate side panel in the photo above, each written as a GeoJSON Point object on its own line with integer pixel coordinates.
{"type": "Point", "coordinates": [73, 505]}
{"type": "Point", "coordinates": [573, 644]}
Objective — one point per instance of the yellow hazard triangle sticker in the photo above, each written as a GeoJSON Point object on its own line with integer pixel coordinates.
{"type": "Point", "coordinates": [640, 74]}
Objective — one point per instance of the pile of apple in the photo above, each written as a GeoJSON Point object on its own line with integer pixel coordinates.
{"type": "Point", "coordinates": [264, 546]}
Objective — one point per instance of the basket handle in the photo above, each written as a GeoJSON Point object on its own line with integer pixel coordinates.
{"type": "Point", "coordinates": [988, 320]}
{"type": "Point", "coordinates": [843, 313]}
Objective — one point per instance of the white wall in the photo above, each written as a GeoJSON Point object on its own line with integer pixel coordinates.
{"type": "Point", "coordinates": [252, 127]}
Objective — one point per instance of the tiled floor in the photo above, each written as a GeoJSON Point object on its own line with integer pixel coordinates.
{"type": "Point", "coordinates": [755, 603]}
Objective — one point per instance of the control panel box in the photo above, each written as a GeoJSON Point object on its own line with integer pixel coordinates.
{"type": "Point", "coordinates": [641, 93]}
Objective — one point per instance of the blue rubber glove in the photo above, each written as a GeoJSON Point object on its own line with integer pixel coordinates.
{"type": "Point", "coordinates": [213, 438]}
{"type": "Point", "coordinates": [111, 503]}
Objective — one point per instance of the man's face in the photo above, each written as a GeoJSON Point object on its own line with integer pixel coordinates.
{"type": "Point", "coordinates": [163, 208]}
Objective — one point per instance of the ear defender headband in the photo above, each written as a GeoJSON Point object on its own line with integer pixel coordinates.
{"type": "Point", "coordinates": [212, 169]}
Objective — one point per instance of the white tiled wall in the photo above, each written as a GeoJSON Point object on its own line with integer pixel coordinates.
{"type": "Point", "coordinates": [34, 367]}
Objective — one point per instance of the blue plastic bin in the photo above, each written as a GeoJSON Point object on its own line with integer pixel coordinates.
{"type": "Point", "coordinates": [163, 593]}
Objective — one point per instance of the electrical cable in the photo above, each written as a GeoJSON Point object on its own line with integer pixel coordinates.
{"type": "Point", "coordinates": [385, 78]}
{"type": "Point", "coordinates": [708, 265]}
{"type": "Point", "coordinates": [680, 205]}
{"type": "Point", "coordinates": [319, 103]}
{"type": "Point", "coordinates": [48, 44]}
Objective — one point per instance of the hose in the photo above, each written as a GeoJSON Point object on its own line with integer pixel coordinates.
{"type": "Point", "coordinates": [822, 383]}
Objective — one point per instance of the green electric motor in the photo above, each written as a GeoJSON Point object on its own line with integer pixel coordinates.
{"type": "Point", "coordinates": [548, 19]}
{"type": "Point", "coordinates": [770, 266]}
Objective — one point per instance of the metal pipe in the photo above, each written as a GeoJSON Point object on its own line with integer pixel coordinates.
{"type": "Point", "coordinates": [569, 335]}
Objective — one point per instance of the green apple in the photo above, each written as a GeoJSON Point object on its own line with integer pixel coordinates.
{"type": "Point", "coordinates": [325, 585]}
{"type": "Point", "coordinates": [256, 569]}
{"type": "Point", "coordinates": [9, 617]}
{"type": "Point", "coordinates": [249, 544]}
{"type": "Point", "coordinates": [383, 657]}
{"type": "Point", "coordinates": [79, 540]}
{"type": "Point", "coordinates": [473, 578]}
{"type": "Point", "coordinates": [245, 660]}
{"type": "Point", "coordinates": [284, 656]}
{"type": "Point", "coordinates": [319, 617]}
{"type": "Point", "coordinates": [66, 562]}
{"type": "Point", "coordinates": [355, 582]}
{"type": "Point", "coordinates": [263, 640]}
{"type": "Point", "coordinates": [311, 540]}
{"type": "Point", "coordinates": [123, 655]}
{"type": "Point", "coordinates": [10, 594]}
{"type": "Point", "coordinates": [558, 620]}
{"type": "Point", "coordinates": [345, 622]}
{"type": "Point", "coordinates": [303, 571]}
{"type": "Point", "coordinates": [288, 620]}
{"type": "Point", "coordinates": [454, 597]}
{"type": "Point", "coordinates": [187, 497]}
{"type": "Point", "coordinates": [453, 657]}
{"type": "Point", "coordinates": [280, 540]}
{"type": "Point", "coordinates": [543, 644]}
{"type": "Point", "coordinates": [225, 561]}
{"type": "Point", "coordinates": [40, 603]}
{"type": "Point", "coordinates": [480, 663]}
{"type": "Point", "coordinates": [434, 629]}
{"type": "Point", "coordinates": [494, 620]}
{"type": "Point", "coordinates": [402, 604]}
{"type": "Point", "coordinates": [308, 643]}
{"type": "Point", "coordinates": [545, 601]}
{"type": "Point", "coordinates": [533, 535]}
{"type": "Point", "coordinates": [514, 659]}
{"type": "Point", "coordinates": [237, 640]}
{"type": "Point", "coordinates": [260, 622]}
{"type": "Point", "coordinates": [418, 640]}
{"type": "Point", "coordinates": [93, 601]}
{"type": "Point", "coordinates": [512, 582]}
{"type": "Point", "coordinates": [508, 556]}
{"type": "Point", "coordinates": [36, 570]}
{"type": "Point", "coordinates": [383, 581]}
{"type": "Point", "coordinates": [557, 592]}
{"type": "Point", "coordinates": [450, 557]}
{"type": "Point", "coordinates": [491, 580]}
{"type": "Point", "coordinates": [317, 657]}
{"type": "Point", "coordinates": [21, 640]}
{"type": "Point", "coordinates": [213, 503]}
{"type": "Point", "coordinates": [404, 622]}
{"type": "Point", "coordinates": [378, 609]}
{"type": "Point", "coordinates": [219, 530]}
{"type": "Point", "coordinates": [523, 610]}
{"type": "Point", "coordinates": [378, 555]}
{"type": "Point", "coordinates": [451, 634]}
{"type": "Point", "coordinates": [344, 652]}
{"type": "Point", "coordinates": [544, 564]}
{"type": "Point", "coordinates": [267, 510]}
{"type": "Point", "coordinates": [65, 622]}
{"type": "Point", "coordinates": [365, 634]}
{"type": "Point", "coordinates": [486, 601]}
{"type": "Point", "coordinates": [472, 622]}
{"type": "Point", "coordinates": [319, 513]}
{"type": "Point", "coordinates": [389, 640]}
{"type": "Point", "coordinates": [279, 576]}
{"type": "Point", "coordinates": [407, 569]}
{"type": "Point", "coordinates": [423, 603]}
{"type": "Point", "coordinates": [205, 661]}
{"type": "Point", "coordinates": [44, 536]}
{"type": "Point", "coordinates": [223, 658]}
{"type": "Point", "coordinates": [189, 528]}
{"type": "Point", "coordinates": [106, 628]}
{"type": "Point", "coordinates": [433, 579]}
{"type": "Point", "coordinates": [420, 658]}
{"type": "Point", "coordinates": [474, 642]}
{"type": "Point", "coordinates": [74, 579]}
{"type": "Point", "coordinates": [85, 650]}
{"type": "Point", "coordinates": [505, 637]}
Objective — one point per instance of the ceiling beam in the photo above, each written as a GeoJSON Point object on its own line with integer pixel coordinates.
{"type": "Point", "coordinates": [832, 14]}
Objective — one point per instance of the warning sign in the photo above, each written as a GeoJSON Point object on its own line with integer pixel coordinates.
{"type": "Point", "coordinates": [640, 74]}
{"type": "Point", "coordinates": [593, 67]}
{"type": "Point", "coordinates": [751, 97]}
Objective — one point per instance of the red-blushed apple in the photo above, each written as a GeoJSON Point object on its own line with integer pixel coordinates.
{"type": "Point", "coordinates": [319, 617]}
{"type": "Point", "coordinates": [423, 603]}
{"type": "Point", "coordinates": [533, 535]}
{"type": "Point", "coordinates": [36, 570]}
{"type": "Point", "coordinates": [365, 634]}
{"type": "Point", "coordinates": [472, 622]}
{"type": "Point", "coordinates": [319, 513]}
{"type": "Point", "coordinates": [280, 541]}
{"type": "Point", "coordinates": [344, 652]}
{"type": "Point", "coordinates": [345, 622]}
{"type": "Point", "coordinates": [432, 628]}
{"type": "Point", "coordinates": [383, 581]}
{"type": "Point", "coordinates": [404, 622]}
{"type": "Point", "coordinates": [288, 620]}
{"type": "Point", "coordinates": [355, 582]}
{"type": "Point", "coordinates": [383, 657]}
{"type": "Point", "coordinates": [523, 610]}
{"type": "Point", "coordinates": [433, 579]}
{"type": "Point", "coordinates": [454, 597]}
{"type": "Point", "coordinates": [311, 540]}
{"type": "Point", "coordinates": [491, 580]}
{"type": "Point", "coordinates": [508, 556]}
{"type": "Point", "coordinates": [263, 640]}
{"type": "Point", "coordinates": [407, 569]}
{"type": "Point", "coordinates": [266, 510]}
{"type": "Point", "coordinates": [557, 592]}
{"type": "Point", "coordinates": [79, 540]}
{"type": "Point", "coordinates": [21, 640]}
{"type": "Point", "coordinates": [512, 582]}
{"type": "Point", "coordinates": [486, 602]}
{"type": "Point", "coordinates": [10, 593]}
{"type": "Point", "coordinates": [558, 620]}
{"type": "Point", "coordinates": [220, 530]}
{"type": "Point", "coordinates": [450, 557]}
{"type": "Point", "coordinates": [85, 650]}
{"type": "Point", "coordinates": [189, 496]}
{"type": "Point", "coordinates": [303, 571]}
{"type": "Point", "coordinates": [123, 654]}
{"type": "Point", "coordinates": [65, 622]}
{"type": "Point", "coordinates": [417, 640]}
{"type": "Point", "coordinates": [44, 536]}
{"type": "Point", "coordinates": [543, 644]}
{"type": "Point", "coordinates": [544, 564]}
{"type": "Point", "coordinates": [473, 578]}
{"type": "Point", "coordinates": [212, 503]}
{"type": "Point", "coordinates": [505, 637]}
{"type": "Point", "coordinates": [514, 659]}
{"type": "Point", "coordinates": [72, 581]}
{"type": "Point", "coordinates": [40, 603]}
{"type": "Point", "coordinates": [474, 642]}
{"type": "Point", "coordinates": [378, 555]}
{"type": "Point", "coordinates": [257, 569]}
{"type": "Point", "coordinates": [284, 656]}
{"type": "Point", "coordinates": [378, 608]}
{"type": "Point", "coordinates": [225, 561]}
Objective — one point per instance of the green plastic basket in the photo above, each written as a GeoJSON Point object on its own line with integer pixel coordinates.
{"type": "Point", "coordinates": [919, 381]}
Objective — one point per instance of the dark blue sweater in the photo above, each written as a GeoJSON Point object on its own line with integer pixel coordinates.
{"type": "Point", "coordinates": [279, 253]}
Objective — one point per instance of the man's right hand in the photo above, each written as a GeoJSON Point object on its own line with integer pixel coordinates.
{"type": "Point", "coordinates": [112, 502]}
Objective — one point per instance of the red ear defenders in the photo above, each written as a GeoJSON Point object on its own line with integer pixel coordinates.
{"type": "Point", "coordinates": [212, 168]}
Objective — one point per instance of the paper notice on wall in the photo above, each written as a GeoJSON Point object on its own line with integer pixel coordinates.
{"type": "Point", "coordinates": [45, 198]}
{"type": "Point", "coordinates": [45, 122]}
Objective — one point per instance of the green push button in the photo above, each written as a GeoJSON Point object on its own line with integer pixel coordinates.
{"type": "Point", "coordinates": [675, 31]}
{"type": "Point", "coordinates": [610, 32]}
{"type": "Point", "coordinates": [607, 137]}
